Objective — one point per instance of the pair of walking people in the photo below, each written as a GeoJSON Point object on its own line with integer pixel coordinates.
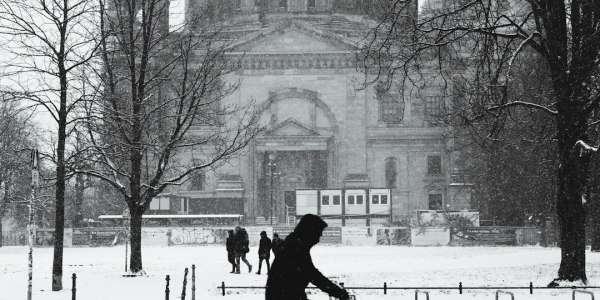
{"type": "Point", "coordinates": [237, 245]}
{"type": "Point", "coordinates": [264, 249]}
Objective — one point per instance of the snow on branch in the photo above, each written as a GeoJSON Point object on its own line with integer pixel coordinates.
{"type": "Point", "coordinates": [584, 147]}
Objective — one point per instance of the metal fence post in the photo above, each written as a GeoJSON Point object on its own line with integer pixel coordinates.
{"type": "Point", "coordinates": [583, 292]}
{"type": "Point", "coordinates": [385, 288]}
{"type": "Point", "coordinates": [531, 288]}
{"type": "Point", "coordinates": [126, 250]}
{"type": "Point", "coordinates": [223, 287]}
{"type": "Point", "coordinates": [417, 294]}
{"type": "Point", "coordinates": [512, 296]}
{"type": "Point", "coordinates": [185, 273]}
{"type": "Point", "coordinates": [460, 287]}
{"type": "Point", "coordinates": [74, 289]}
{"type": "Point", "coordinates": [167, 288]}
{"type": "Point", "coordinates": [193, 282]}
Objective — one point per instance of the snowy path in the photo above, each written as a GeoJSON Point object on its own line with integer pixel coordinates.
{"type": "Point", "coordinates": [99, 271]}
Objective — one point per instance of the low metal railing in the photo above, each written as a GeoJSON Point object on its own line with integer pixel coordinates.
{"type": "Point", "coordinates": [460, 288]}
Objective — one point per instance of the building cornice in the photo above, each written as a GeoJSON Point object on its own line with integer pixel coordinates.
{"type": "Point", "coordinates": [277, 61]}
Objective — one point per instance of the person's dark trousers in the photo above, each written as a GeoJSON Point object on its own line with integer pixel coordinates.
{"type": "Point", "coordinates": [260, 260]}
{"type": "Point", "coordinates": [241, 256]}
{"type": "Point", "coordinates": [231, 259]}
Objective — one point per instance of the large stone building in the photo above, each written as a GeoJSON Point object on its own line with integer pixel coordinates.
{"type": "Point", "coordinates": [323, 130]}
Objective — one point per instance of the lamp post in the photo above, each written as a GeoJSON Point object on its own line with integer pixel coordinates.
{"type": "Point", "coordinates": [35, 175]}
{"type": "Point", "coordinates": [272, 173]}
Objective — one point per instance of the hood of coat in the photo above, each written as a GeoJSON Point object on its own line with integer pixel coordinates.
{"type": "Point", "coordinates": [309, 230]}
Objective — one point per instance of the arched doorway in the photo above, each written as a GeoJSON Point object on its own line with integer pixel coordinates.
{"type": "Point", "coordinates": [289, 184]}
{"type": "Point", "coordinates": [298, 149]}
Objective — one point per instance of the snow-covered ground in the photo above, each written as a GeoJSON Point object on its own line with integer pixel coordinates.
{"type": "Point", "coordinates": [99, 272]}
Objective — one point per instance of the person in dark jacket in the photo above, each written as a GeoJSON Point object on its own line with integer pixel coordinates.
{"type": "Point", "coordinates": [293, 268]}
{"type": "Point", "coordinates": [229, 245]}
{"type": "Point", "coordinates": [276, 244]}
{"type": "Point", "coordinates": [241, 247]}
{"type": "Point", "coordinates": [264, 251]}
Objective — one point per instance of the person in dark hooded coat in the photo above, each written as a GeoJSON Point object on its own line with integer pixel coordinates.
{"type": "Point", "coordinates": [276, 244]}
{"type": "Point", "coordinates": [293, 268]}
{"type": "Point", "coordinates": [241, 248]}
{"type": "Point", "coordinates": [264, 251]}
{"type": "Point", "coordinates": [230, 245]}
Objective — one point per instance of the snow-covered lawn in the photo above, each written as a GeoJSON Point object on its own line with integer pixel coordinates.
{"type": "Point", "coordinates": [99, 272]}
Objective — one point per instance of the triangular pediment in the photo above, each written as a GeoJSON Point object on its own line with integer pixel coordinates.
{"type": "Point", "coordinates": [292, 39]}
{"type": "Point", "coordinates": [291, 127]}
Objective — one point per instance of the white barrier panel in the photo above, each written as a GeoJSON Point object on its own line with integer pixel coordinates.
{"type": "Point", "coordinates": [167, 236]}
{"type": "Point", "coordinates": [196, 235]}
{"type": "Point", "coordinates": [358, 236]}
{"type": "Point", "coordinates": [432, 218]}
{"type": "Point", "coordinates": [155, 236]}
{"type": "Point", "coordinates": [430, 236]}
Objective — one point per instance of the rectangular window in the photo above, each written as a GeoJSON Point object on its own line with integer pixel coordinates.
{"type": "Point", "coordinates": [197, 182]}
{"type": "Point", "coordinates": [434, 165]}
{"type": "Point", "coordinates": [433, 107]}
{"type": "Point", "coordinates": [351, 200]}
{"type": "Point", "coordinates": [159, 204]}
{"type": "Point", "coordinates": [184, 206]}
{"type": "Point", "coordinates": [336, 200]}
{"type": "Point", "coordinates": [155, 204]}
{"type": "Point", "coordinates": [435, 201]}
{"type": "Point", "coordinates": [375, 199]}
{"type": "Point", "coordinates": [391, 112]}
{"type": "Point", "coordinates": [325, 200]}
{"type": "Point", "coordinates": [165, 203]}
{"type": "Point", "coordinates": [359, 199]}
{"type": "Point", "coordinates": [383, 199]}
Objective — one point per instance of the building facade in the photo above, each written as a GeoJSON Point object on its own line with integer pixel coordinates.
{"type": "Point", "coordinates": [323, 128]}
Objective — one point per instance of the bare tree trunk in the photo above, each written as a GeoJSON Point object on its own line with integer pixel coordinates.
{"type": "Point", "coordinates": [79, 193]}
{"type": "Point", "coordinates": [135, 228]}
{"type": "Point", "coordinates": [1, 236]}
{"type": "Point", "coordinates": [571, 217]}
{"type": "Point", "coordinates": [59, 228]}
{"type": "Point", "coordinates": [594, 206]}
{"type": "Point", "coordinates": [572, 187]}
{"type": "Point", "coordinates": [3, 211]}
{"type": "Point", "coordinates": [595, 229]}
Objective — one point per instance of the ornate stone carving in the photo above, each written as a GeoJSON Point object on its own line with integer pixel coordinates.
{"type": "Point", "coordinates": [273, 61]}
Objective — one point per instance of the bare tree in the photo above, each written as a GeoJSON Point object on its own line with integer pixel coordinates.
{"type": "Point", "coordinates": [493, 37]}
{"type": "Point", "coordinates": [15, 141]}
{"type": "Point", "coordinates": [50, 42]}
{"type": "Point", "coordinates": [162, 114]}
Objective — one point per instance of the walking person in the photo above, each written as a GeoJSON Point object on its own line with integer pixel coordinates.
{"type": "Point", "coordinates": [241, 247]}
{"type": "Point", "coordinates": [276, 244]}
{"type": "Point", "coordinates": [230, 246]}
{"type": "Point", "coordinates": [293, 268]}
{"type": "Point", "coordinates": [264, 251]}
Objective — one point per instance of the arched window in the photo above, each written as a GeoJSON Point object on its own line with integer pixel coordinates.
{"type": "Point", "coordinates": [391, 172]}
{"type": "Point", "coordinates": [391, 104]}
{"type": "Point", "coordinates": [197, 182]}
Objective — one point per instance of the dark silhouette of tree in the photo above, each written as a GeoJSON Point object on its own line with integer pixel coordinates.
{"type": "Point", "coordinates": [15, 141]}
{"type": "Point", "coordinates": [162, 98]}
{"type": "Point", "coordinates": [480, 43]}
{"type": "Point", "coordinates": [50, 43]}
